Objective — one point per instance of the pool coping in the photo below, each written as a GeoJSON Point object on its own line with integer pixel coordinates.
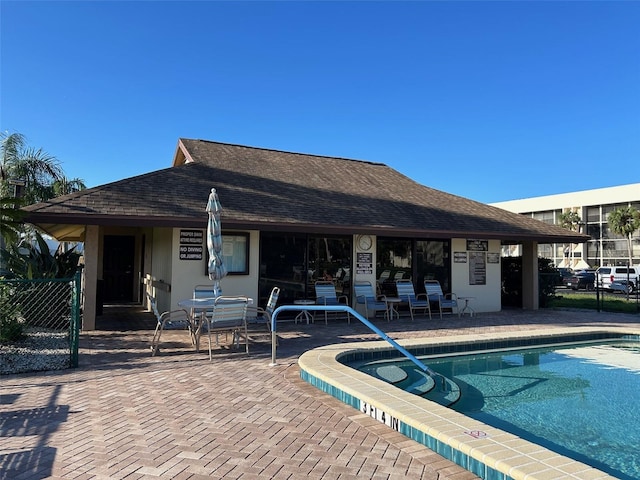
{"type": "Point", "coordinates": [486, 451]}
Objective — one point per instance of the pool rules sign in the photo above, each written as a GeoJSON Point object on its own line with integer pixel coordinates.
{"type": "Point", "coordinates": [191, 244]}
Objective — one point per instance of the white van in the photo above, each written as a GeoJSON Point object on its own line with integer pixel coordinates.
{"type": "Point", "coordinates": [607, 275]}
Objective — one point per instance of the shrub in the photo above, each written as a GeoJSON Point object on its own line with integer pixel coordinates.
{"type": "Point", "coordinates": [11, 328]}
{"type": "Point", "coordinates": [26, 260]}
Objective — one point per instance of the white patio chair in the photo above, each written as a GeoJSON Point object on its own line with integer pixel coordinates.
{"type": "Point", "coordinates": [171, 320]}
{"type": "Point", "coordinates": [435, 295]}
{"type": "Point", "coordinates": [326, 295]}
{"type": "Point", "coordinates": [259, 319]}
{"type": "Point", "coordinates": [407, 294]}
{"type": "Point", "coordinates": [229, 314]}
{"type": "Point", "coordinates": [372, 303]}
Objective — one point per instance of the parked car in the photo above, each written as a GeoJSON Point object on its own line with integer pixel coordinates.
{"type": "Point", "coordinates": [608, 275]}
{"type": "Point", "coordinates": [621, 286]}
{"type": "Point", "coordinates": [584, 280]}
{"type": "Point", "coordinates": [564, 275]}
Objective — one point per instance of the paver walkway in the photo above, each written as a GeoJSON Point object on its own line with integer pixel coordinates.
{"type": "Point", "coordinates": [124, 414]}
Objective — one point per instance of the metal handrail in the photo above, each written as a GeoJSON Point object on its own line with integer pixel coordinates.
{"type": "Point", "coordinates": [340, 308]}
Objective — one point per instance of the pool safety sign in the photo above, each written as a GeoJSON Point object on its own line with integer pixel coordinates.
{"type": "Point", "coordinates": [380, 415]}
{"type": "Point", "coordinates": [191, 244]}
{"type": "Point", "coordinates": [476, 433]}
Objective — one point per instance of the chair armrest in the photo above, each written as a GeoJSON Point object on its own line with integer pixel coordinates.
{"type": "Point", "coordinates": [343, 297]}
{"type": "Point", "coordinates": [422, 295]}
{"type": "Point", "coordinates": [451, 296]}
{"type": "Point", "coordinates": [179, 314]}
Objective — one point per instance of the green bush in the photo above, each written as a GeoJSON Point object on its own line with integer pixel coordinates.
{"type": "Point", "coordinates": [26, 260]}
{"type": "Point", "coordinates": [11, 330]}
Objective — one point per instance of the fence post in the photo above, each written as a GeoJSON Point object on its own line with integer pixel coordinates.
{"type": "Point", "coordinates": [74, 326]}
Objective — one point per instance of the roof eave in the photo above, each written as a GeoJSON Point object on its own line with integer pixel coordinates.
{"type": "Point", "coordinates": [48, 220]}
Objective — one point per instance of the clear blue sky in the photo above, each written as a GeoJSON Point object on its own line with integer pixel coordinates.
{"type": "Point", "coordinates": [488, 100]}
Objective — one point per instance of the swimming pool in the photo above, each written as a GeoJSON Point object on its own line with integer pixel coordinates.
{"type": "Point", "coordinates": [574, 400]}
{"type": "Point", "coordinates": [488, 451]}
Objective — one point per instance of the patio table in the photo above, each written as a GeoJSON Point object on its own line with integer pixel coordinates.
{"type": "Point", "coordinates": [200, 306]}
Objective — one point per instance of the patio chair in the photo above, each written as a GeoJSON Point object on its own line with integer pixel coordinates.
{"type": "Point", "coordinates": [399, 275]}
{"type": "Point", "coordinates": [326, 295]}
{"type": "Point", "coordinates": [435, 295]}
{"type": "Point", "coordinates": [372, 303]}
{"type": "Point", "coordinates": [259, 319]}
{"type": "Point", "coordinates": [204, 291]}
{"type": "Point", "coordinates": [229, 315]}
{"type": "Point", "coordinates": [384, 276]}
{"type": "Point", "coordinates": [407, 294]}
{"type": "Point", "coordinates": [170, 320]}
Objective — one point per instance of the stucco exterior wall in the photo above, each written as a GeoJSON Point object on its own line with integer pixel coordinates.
{"type": "Point", "coordinates": [186, 274]}
{"type": "Point", "coordinates": [486, 298]}
{"type": "Point", "coordinates": [161, 266]}
{"type": "Point", "coordinates": [364, 275]}
{"type": "Point", "coordinates": [607, 195]}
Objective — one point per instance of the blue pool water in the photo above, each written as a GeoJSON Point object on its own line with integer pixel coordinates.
{"type": "Point", "coordinates": [581, 401]}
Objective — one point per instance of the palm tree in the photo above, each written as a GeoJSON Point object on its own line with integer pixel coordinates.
{"type": "Point", "coordinates": [66, 185]}
{"type": "Point", "coordinates": [36, 168]}
{"type": "Point", "coordinates": [10, 220]}
{"type": "Point", "coordinates": [571, 221]}
{"type": "Point", "coordinates": [625, 221]}
{"type": "Point", "coordinates": [27, 175]}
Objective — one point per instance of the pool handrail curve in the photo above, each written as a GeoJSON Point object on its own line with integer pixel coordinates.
{"type": "Point", "coordinates": [350, 311]}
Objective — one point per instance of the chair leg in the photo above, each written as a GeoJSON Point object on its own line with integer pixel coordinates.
{"type": "Point", "coordinates": [155, 341]}
{"type": "Point", "coordinates": [209, 335]}
{"type": "Point", "coordinates": [246, 339]}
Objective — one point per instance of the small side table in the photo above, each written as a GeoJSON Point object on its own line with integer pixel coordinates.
{"type": "Point", "coordinates": [304, 314]}
{"type": "Point", "coordinates": [392, 302]}
{"type": "Point", "coordinates": [466, 307]}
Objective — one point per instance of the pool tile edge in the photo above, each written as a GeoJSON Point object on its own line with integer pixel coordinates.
{"type": "Point", "coordinates": [467, 442]}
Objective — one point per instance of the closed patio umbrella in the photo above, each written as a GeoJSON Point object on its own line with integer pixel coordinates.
{"type": "Point", "coordinates": [217, 270]}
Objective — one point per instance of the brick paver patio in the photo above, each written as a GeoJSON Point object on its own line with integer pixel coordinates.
{"type": "Point", "coordinates": [124, 414]}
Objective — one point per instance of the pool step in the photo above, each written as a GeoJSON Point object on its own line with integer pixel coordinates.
{"type": "Point", "coordinates": [409, 378]}
{"type": "Point", "coordinates": [446, 392]}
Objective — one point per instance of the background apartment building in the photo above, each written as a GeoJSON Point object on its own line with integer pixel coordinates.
{"type": "Point", "coordinates": [594, 207]}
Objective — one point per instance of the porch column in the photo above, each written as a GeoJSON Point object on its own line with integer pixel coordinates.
{"type": "Point", "coordinates": [530, 276]}
{"type": "Point", "coordinates": [91, 250]}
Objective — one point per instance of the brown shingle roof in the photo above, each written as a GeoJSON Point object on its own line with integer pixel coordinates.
{"type": "Point", "coordinates": [270, 189]}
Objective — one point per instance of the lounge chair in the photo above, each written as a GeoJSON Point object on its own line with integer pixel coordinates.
{"type": "Point", "coordinates": [372, 303]}
{"type": "Point", "coordinates": [435, 295]}
{"type": "Point", "coordinates": [326, 295]}
{"type": "Point", "coordinates": [407, 294]}
{"type": "Point", "coordinates": [170, 320]}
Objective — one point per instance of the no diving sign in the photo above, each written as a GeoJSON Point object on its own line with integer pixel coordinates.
{"type": "Point", "coordinates": [476, 433]}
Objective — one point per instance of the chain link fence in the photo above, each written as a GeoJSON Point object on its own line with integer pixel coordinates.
{"type": "Point", "coordinates": [39, 324]}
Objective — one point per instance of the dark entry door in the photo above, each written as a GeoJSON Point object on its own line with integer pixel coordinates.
{"type": "Point", "coordinates": [118, 271]}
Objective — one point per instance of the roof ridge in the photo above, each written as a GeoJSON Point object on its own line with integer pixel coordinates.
{"type": "Point", "coordinates": [275, 150]}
